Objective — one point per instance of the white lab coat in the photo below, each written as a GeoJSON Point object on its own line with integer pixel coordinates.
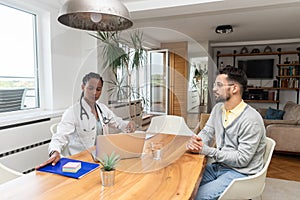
{"type": "Point", "coordinates": [75, 135]}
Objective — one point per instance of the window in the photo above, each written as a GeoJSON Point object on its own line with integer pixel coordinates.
{"type": "Point", "coordinates": [18, 63]}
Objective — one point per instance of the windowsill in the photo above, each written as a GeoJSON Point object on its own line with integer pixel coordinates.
{"type": "Point", "coordinates": [117, 104]}
{"type": "Point", "coordinates": [27, 116]}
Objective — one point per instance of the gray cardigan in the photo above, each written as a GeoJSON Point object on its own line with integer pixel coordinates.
{"type": "Point", "coordinates": [241, 145]}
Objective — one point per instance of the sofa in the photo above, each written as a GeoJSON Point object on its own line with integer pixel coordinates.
{"type": "Point", "coordinates": [284, 128]}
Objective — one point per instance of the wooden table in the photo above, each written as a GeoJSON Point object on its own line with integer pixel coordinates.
{"type": "Point", "coordinates": [176, 176]}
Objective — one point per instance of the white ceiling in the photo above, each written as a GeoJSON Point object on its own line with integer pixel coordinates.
{"type": "Point", "coordinates": [252, 20]}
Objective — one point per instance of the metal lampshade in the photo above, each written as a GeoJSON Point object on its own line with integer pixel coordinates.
{"type": "Point", "coordinates": [95, 15]}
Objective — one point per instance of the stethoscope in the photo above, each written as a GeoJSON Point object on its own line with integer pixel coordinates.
{"type": "Point", "coordinates": [83, 112]}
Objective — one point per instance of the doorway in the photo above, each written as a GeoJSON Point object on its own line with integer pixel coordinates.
{"type": "Point", "coordinates": [157, 79]}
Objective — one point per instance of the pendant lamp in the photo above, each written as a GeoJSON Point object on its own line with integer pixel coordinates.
{"type": "Point", "coordinates": [95, 15]}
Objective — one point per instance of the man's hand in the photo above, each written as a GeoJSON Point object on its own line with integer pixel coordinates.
{"type": "Point", "coordinates": [130, 128]}
{"type": "Point", "coordinates": [195, 144]}
{"type": "Point", "coordinates": [54, 158]}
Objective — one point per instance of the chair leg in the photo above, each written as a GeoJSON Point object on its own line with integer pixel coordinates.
{"type": "Point", "coordinates": [259, 196]}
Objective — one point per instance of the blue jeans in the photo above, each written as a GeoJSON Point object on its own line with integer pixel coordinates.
{"type": "Point", "coordinates": [215, 180]}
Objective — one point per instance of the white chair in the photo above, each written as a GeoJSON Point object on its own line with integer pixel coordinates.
{"type": "Point", "coordinates": [200, 125]}
{"type": "Point", "coordinates": [252, 186]}
{"type": "Point", "coordinates": [169, 124]}
{"type": "Point", "coordinates": [7, 174]}
{"type": "Point", "coordinates": [65, 152]}
{"type": "Point", "coordinates": [53, 128]}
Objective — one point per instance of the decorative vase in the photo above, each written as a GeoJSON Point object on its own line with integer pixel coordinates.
{"type": "Point", "coordinates": [107, 177]}
{"type": "Point", "coordinates": [268, 49]}
{"type": "Point", "coordinates": [256, 50]}
{"type": "Point", "coordinates": [244, 50]}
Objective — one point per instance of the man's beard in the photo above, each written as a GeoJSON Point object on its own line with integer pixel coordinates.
{"type": "Point", "coordinates": [223, 98]}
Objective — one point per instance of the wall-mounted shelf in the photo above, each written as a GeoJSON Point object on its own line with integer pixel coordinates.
{"type": "Point", "coordinates": [261, 101]}
{"type": "Point", "coordinates": [259, 54]}
{"type": "Point", "coordinates": [287, 65]}
{"type": "Point", "coordinates": [263, 88]}
{"type": "Point", "coordinates": [287, 79]}
{"type": "Point", "coordinates": [287, 76]}
{"type": "Point", "coordinates": [261, 95]}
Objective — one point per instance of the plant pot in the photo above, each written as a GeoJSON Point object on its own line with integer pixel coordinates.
{"type": "Point", "coordinates": [107, 177]}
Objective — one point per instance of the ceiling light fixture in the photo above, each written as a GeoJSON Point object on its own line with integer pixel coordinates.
{"type": "Point", "coordinates": [224, 29]}
{"type": "Point", "coordinates": [95, 15]}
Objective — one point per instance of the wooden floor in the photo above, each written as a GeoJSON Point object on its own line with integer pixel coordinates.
{"type": "Point", "coordinates": [284, 166]}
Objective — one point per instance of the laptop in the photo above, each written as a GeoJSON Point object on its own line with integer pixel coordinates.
{"type": "Point", "coordinates": [123, 144]}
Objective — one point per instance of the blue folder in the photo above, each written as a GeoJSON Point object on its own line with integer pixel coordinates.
{"type": "Point", "coordinates": [86, 167]}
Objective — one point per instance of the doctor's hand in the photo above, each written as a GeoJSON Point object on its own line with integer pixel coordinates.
{"type": "Point", "coordinates": [130, 128]}
{"type": "Point", "coordinates": [54, 158]}
{"type": "Point", "coordinates": [195, 144]}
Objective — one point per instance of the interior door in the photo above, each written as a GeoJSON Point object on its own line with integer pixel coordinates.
{"type": "Point", "coordinates": [157, 79]}
{"type": "Point", "coordinates": [178, 76]}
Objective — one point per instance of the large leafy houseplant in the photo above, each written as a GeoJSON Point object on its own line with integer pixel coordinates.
{"type": "Point", "coordinates": [127, 54]}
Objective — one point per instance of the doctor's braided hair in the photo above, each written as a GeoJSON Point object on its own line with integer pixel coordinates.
{"type": "Point", "coordinates": [89, 76]}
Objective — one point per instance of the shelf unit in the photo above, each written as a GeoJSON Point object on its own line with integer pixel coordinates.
{"type": "Point", "coordinates": [259, 96]}
{"type": "Point", "coordinates": [293, 77]}
{"type": "Point", "coordinates": [261, 101]}
{"type": "Point", "coordinates": [278, 52]}
{"type": "Point", "coordinates": [289, 75]}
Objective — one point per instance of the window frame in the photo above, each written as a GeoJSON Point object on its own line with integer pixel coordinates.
{"type": "Point", "coordinates": [42, 56]}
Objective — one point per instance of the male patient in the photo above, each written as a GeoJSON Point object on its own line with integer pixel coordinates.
{"type": "Point", "coordinates": [238, 132]}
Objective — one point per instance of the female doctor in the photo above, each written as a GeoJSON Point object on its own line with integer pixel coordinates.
{"type": "Point", "coordinates": [83, 121]}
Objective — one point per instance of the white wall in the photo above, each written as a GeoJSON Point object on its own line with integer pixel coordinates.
{"type": "Point", "coordinates": [73, 55]}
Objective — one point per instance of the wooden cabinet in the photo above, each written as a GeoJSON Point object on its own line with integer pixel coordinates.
{"type": "Point", "coordinates": [288, 74]}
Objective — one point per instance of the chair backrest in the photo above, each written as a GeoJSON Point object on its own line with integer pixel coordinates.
{"type": "Point", "coordinates": [203, 119]}
{"type": "Point", "coordinates": [53, 128]}
{"type": "Point", "coordinates": [251, 186]}
{"type": "Point", "coordinates": [7, 174]}
{"type": "Point", "coordinates": [169, 124]}
{"type": "Point", "coordinates": [12, 99]}
{"type": "Point", "coordinates": [65, 151]}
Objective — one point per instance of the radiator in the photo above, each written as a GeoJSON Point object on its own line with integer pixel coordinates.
{"type": "Point", "coordinates": [24, 146]}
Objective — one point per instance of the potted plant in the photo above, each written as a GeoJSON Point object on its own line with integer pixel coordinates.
{"type": "Point", "coordinates": [128, 55]}
{"type": "Point", "coordinates": [198, 81]}
{"type": "Point", "coordinates": [107, 171]}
